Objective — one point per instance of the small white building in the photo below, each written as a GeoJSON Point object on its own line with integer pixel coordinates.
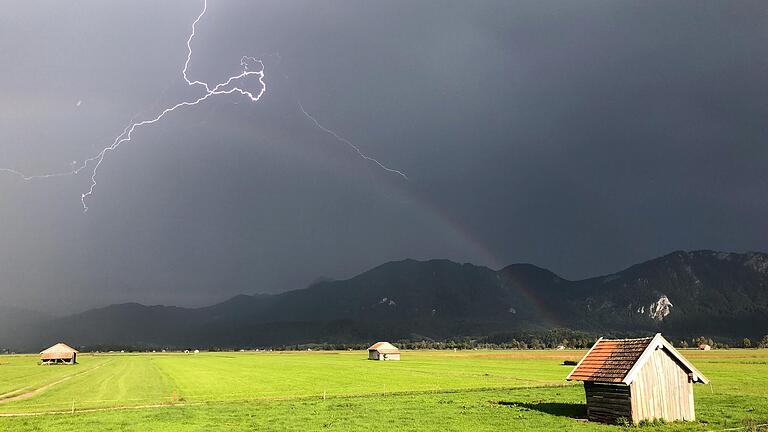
{"type": "Point", "coordinates": [383, 351]}
{"type": "Point", "coordinates": [705, 347]}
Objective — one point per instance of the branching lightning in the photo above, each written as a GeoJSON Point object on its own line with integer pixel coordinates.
{"type": "Point", "coordinates": [249, 66]}
{"type": "Point", "coordinates": [349, 143]}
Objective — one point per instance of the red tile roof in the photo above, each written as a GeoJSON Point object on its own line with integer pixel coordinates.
{"type": "Point", "coordinates": [614, 360]}
{"type": "Point", "coordinates": [610, 360]}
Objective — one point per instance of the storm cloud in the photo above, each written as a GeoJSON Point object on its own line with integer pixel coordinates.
{"type": "Point", "coordinates": [579, 136]}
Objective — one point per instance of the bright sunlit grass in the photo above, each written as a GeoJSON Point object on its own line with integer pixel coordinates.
{"type": "Point", "coordinates": [431, 390]}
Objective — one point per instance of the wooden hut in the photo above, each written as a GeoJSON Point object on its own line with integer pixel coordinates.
{"type": "Point", "coordinates": [637, 379]}
{"type": "Point", "coordinates": [60, 353]}
{"type": "Point", "coordinates": [383, 351]}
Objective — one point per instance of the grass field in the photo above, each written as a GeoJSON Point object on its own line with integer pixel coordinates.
{"type": "Point", "coordinates": [427, 390]}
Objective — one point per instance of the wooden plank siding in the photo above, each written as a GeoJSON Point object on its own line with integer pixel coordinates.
{"type": "Point", "coordinates": [662, 390]}
{"type": "Point", "coordinates": [608, 402]}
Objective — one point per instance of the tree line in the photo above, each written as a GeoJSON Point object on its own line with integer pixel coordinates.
{"type": "Point", "coordinates": [550, 339]}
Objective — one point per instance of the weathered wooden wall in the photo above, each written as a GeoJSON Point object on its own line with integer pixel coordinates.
{"type": "Point", "coordinates": [608, 402]}
{"type": "Point", "coordinates": [661, 390]}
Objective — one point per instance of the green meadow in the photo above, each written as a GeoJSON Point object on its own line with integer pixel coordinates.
{"type": "Point", "coordinates": [426, 390]}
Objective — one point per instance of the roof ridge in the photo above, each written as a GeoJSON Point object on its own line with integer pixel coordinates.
{"type": "Point", "coordinates": [631, 339]}
{"type": "Point", "coordinates": [618, 360]}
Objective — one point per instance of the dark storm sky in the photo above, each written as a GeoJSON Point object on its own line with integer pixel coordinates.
{"type": "Point", "coordinates": [582, 136]}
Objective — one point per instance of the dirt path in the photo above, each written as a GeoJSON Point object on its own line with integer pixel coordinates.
{"type": "Point", "coordinates": [10, 397]}
{"type": "Point", "coordinates": [12, 393]}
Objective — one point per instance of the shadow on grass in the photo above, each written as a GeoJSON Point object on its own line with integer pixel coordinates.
{"type": "Point", "coordinates": [572, 410]}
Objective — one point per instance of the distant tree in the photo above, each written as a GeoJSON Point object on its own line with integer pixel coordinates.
{"type": "Point", "coordinates": [746, 343]}
{"type": "Point", "coordinates": [683, 343]}
{"type": "Point", "coordinates": [764, 342]}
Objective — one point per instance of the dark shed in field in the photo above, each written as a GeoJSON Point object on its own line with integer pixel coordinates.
{"type": "Point", "coordinates": [59, 353]}
{"type": "Point", "coordinates": [637, 379]}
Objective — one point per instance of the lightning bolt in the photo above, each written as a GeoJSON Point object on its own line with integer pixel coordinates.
{"type": "Point", "coordinates": [349, 143]}
{"type": "Point", "coordinates": [249, 66]}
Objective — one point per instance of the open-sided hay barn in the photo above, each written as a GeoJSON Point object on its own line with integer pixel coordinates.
{"type": "Point", "coordinates": [60, 353]}
{"type": "Point", "coordinates": [383, 351]}
{"type": "Point", "coordinates": [637, 379]}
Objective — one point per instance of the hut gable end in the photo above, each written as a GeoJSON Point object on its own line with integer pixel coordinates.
{"type": "Point", "coordinates": [662, 389]}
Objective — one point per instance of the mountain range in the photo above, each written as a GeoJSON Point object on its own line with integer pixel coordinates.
{"type": "Point", "coordinates": [683, 293]}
